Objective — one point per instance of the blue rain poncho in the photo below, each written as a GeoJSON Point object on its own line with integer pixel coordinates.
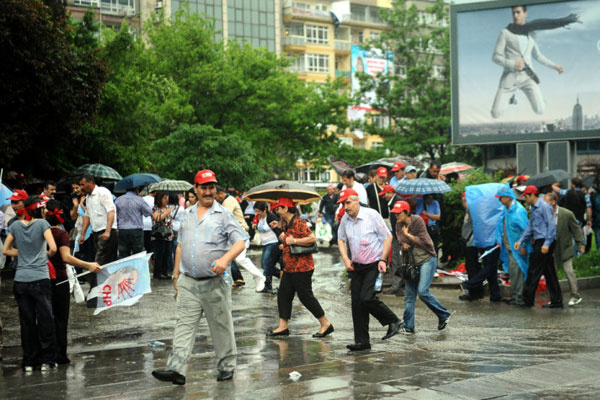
{"type": "Point", "coordinates": [486, 211]}
{"type": "Point", "coordinates": [516, 221]}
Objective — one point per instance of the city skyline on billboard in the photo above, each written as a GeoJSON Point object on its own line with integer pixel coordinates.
{"type": "Point", "coordinates": [525, 73]}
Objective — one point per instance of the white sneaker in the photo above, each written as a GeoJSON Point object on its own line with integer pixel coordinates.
{"type": "Point", "coordinates": [260, 282]}
{"type": "Point", "coordinates": [28, 369]}
{"type": "Point", "coordinates": [574, 301]}
{"type": "Point", "coordinates": [48, 367]}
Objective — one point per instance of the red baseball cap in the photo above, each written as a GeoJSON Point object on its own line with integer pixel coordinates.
{"type": "Point", "coordinates": [530, 190]}
{"type": "Point", "coordinates": [400, 206]}
{"type": "Point", "coordinates": [205, 176]}
{"type": "Point", "coordinates": [344, 194]}
{"type": "Point", "coordinates": [522, 178]}
{"type": "Point", "coordinates": [284, 202]}
{"type": "Point", "coordinates": [382, 171]}
{"type": "Point", "coordinates": [398, 166]}
{"type": "Point", "coordinates": [18, 195]}
{"type": "Point", "coordinates": [386, 189]}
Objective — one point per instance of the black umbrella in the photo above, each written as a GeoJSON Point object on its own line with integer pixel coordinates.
{"type": "Point", "coordinates": [339, 165]}
{"type": "Point", "coordinates": [272, 191]}
{"type": "Point", "coordinates": [389, 162]}
{"type": "Point", "coordinates": [547, 178]}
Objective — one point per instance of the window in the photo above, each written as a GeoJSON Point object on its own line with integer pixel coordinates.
{"type": "Point", "coordinates": [374, 35]}
{"type": "Point", "coordinates": [317, 34]}
{"type": "Point", "coordinates": [381, 122]}
{"type": "Point", "coordinates": [360, 37]}
{"type": "Point", "coordinates": [301, 6]}
{"type": "Point", "coordinates": [401, 70]}
{"type": "Point", "coordinates": [376, 145]}
{"type": "Point", "coordinates": [295, 29]}
{"type": "Point", "coordinates": [297, 64]}
{"type": "Point", "coordinates": [588, 146]}
{"type": "Point", "coordinates": [502, 151]}
{"type": "Point", "coordinates": [317, 62]}
{"type": "Point", "coordinates": [320, 7]}
{"type": "Point", "coordinates": [346, 141]}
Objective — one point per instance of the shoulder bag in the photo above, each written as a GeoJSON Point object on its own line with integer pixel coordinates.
{"type": "Point", "coordinates": [160, 230]}
{"type": "Point", "coordinates": [296, 249]}
{"type": "Point", "coordinates": [409, 269]}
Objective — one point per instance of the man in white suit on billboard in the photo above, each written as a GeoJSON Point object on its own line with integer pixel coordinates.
{"type": "Point", "coordinates": [514, 50]}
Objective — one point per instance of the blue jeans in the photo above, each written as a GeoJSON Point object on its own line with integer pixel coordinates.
{"type": "Point", "coordinates": [270, 255]}
{"type": "Point", "coordinates": [421, 288]}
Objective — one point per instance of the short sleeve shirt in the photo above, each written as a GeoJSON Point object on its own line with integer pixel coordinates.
{"type": "Point", "coordinates": [297, 262]}
{"type": "Point", "coordinates": [61, 237]}
{"type": "Point", "coordinates": [32, 263]}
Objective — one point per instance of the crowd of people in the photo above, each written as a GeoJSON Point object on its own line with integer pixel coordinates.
{"type": "Point", "coordinates": [196, 237]}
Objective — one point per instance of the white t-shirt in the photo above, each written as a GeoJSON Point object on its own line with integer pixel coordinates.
{"type": "Point", "coordinates": [99, 203]}
{"type": "Point", "coordinates": [148, 220]}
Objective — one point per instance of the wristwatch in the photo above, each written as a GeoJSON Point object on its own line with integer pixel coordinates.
{"type": "Point", "coordinates": [173, 277]}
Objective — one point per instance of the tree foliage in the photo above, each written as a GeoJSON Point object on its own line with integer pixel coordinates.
{"type": "Point", "coordinates": [50, 79]}
{"type": "Point", "coordinates": [416, 97]}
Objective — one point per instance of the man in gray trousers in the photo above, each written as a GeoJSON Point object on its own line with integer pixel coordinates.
{"type": "Point", "coordinates": [209, 239]}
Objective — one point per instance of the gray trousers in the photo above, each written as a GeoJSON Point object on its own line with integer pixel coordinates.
{"type": "Point", "coordinates": [211, 297]}
{"type": "Point", "coordinates": [517, 278]}
{"type": "Point", "coordinates": [568, 268]}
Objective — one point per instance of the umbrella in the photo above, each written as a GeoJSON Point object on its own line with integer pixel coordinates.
{"type": "Point", "coordinates": [454, 167]}
{"type": "Point", "coordinates": [99, 171]}
{"type": "Point", "coordinates": [547, 178]}
{"type": "Point", "coordinates": [422, 186]}
{"type": "Point", "coordinates": [135, 180]}
{"type": "Point", "coordinates": [339, 165]}
{"type": "Point", "coordinates": [169, 185]}
{"type": "Point", "coordinates": [388, 163]}
{"type": "Point", "coordinates": [272, 191]}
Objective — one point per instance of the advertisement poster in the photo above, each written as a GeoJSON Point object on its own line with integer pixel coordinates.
{"type": "Point", "coordinates": [372, 62]}
{"type": "Point", "coordinates": [526, 72]}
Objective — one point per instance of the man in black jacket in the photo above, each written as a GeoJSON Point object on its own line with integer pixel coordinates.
{"type": "Point", "coordinates": [376, 202]}
{"type": "Point", "coordinates": [327, 208]}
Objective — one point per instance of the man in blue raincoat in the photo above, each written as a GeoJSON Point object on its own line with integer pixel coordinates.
{"type": "Point", "coordinates": [511, 226]}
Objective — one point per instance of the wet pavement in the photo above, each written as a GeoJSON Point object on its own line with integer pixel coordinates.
{"type": "Point", "coordinates": [489, 350]}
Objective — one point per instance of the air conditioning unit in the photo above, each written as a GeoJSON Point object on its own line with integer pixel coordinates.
{"type": "Point", "coordinates": [130, 11]}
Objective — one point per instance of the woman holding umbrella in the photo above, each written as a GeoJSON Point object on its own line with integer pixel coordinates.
{"type": "Point", "coordinates": [297, 273]}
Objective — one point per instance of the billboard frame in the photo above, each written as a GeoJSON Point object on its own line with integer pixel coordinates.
{"type": "Point", "coordinates": [497, 139]}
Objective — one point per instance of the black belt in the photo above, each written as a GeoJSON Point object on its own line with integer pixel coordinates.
{"type": "Point", "coordinates": [204, 278]}
{"type": "Point", "coordinates": [361, 266]}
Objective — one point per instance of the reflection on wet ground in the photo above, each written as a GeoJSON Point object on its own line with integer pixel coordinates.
{"type": "Point", "coordinates": [489, 350]}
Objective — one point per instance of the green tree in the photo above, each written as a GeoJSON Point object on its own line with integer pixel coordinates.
{"type": "Point", "coordinates": [193, 147]}
{"type": "Point", "coordinates": [247, 93]}
{"type": "Point", "coordinates": [417, 97]}
{"type": "Point", "coordinates": [49, 83]}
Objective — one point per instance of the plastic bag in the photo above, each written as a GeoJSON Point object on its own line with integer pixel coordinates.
{"type": "Point", "coordinates": [323, 231]}
{"type": "Point", "coordinates": [74, 285]}
{"type": "Point", "coordinates": [485, 210]}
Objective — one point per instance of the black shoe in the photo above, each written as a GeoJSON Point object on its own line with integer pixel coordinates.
{"type": "Point", "coordinates": [466, 297]}
{"type": "Point", "coordinates": [285, 332]}
{"type": "Point", "coordinates": [443, 323]}
{"type": "Point", "coordinates": [327, 332]}
{"type": "Point", "coordinates": [169, 376]}
{"type": "Point", "coordinates": [525, 305]}
{"type": "Point", "coordinates": [507, 301]}
{"type": "Point", "coordinates": [393, 329]}
{"type": "Point", "coordinates": [552, 305]}
{"type": "Point", "coordinates": [164, 277]}
{"type": "Point", "coordinates": [359, 346]}
{"type": "Point", "coordinates": [224, 376]}
{"type": "Point", "coordinates": [63, 360]}
{"type": "Point", "coordinates": [267, 290]}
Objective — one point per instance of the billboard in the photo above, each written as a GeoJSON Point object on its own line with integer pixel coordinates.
{"type": "Point", "coordinates": [525, 73]}
{"type": "Point", "coordinates": [371, 62]}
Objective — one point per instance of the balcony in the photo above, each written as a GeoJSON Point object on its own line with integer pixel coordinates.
{"type": "Point", "coordinates": [290, 12]}
{"type": "Point", "coordinates": [366, 19]}
{"type": "Point", "coordinates": [123, 8]}
{"type": "Point", "coordinates": [342, 46]}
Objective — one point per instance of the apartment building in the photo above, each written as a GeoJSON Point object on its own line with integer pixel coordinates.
{"type": "Point", "coordinates": [110, 12]}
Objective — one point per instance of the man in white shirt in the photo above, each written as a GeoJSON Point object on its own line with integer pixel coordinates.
{"type": "Point", "coordinates": [350, 183]}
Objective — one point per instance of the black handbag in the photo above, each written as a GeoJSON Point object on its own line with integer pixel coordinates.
{"type": "Point", "coordinates": [296, 249]}
{"type": "Point", "coordinates": [410, 271]}
{"type": "Point", "coordinates": [160, 230]}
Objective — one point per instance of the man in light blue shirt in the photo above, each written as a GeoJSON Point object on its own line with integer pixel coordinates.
{"type": "Point", "coordinates": [542, 229]}
{"type": "Point", "coordinates": [398, 171]}
{"type": "Point", "coordinates": [210, 238]}
{"type": "Point", "coordinates": [131, 209]}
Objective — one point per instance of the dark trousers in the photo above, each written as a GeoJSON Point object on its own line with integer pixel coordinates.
{"type": "Point", "coordinates": [541, 264]}
{"type": "Point", "coordinates": [106, 252]}
{"type": "Point", "coordinates": [249, 218]}
{"type": "Point", "coordinates": [301, 283]}
{"type": "Point", "coordinates": [365, 302]}
{"type": "Point", "coordinates": [236, 274]}
{"type": "Point", "coordinates": [473, 267]}
{"type": "Point", "coordinates": [162, 252]}
{"type": "Point", "coordinates": [37, 322]}
{"type": "Point", "coordinates": [148, 241]}
{"type": "Point", "coordinates": [270, 256]}
{"type": "Point", "coordinates": [489, 272]}
{"type": "Point", "coordinates": [131, 241]}
{"type": "Point", "coordinates": [60, 308]}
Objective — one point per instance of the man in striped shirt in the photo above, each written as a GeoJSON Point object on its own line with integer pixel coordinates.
{"type": "Point", "coordinates": [365, 232]}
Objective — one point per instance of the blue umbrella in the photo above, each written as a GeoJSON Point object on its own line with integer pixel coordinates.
{"type": "Point", "coordinates": [422, 186]}
{"type": "Point", "coordinates": [135, 180]}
